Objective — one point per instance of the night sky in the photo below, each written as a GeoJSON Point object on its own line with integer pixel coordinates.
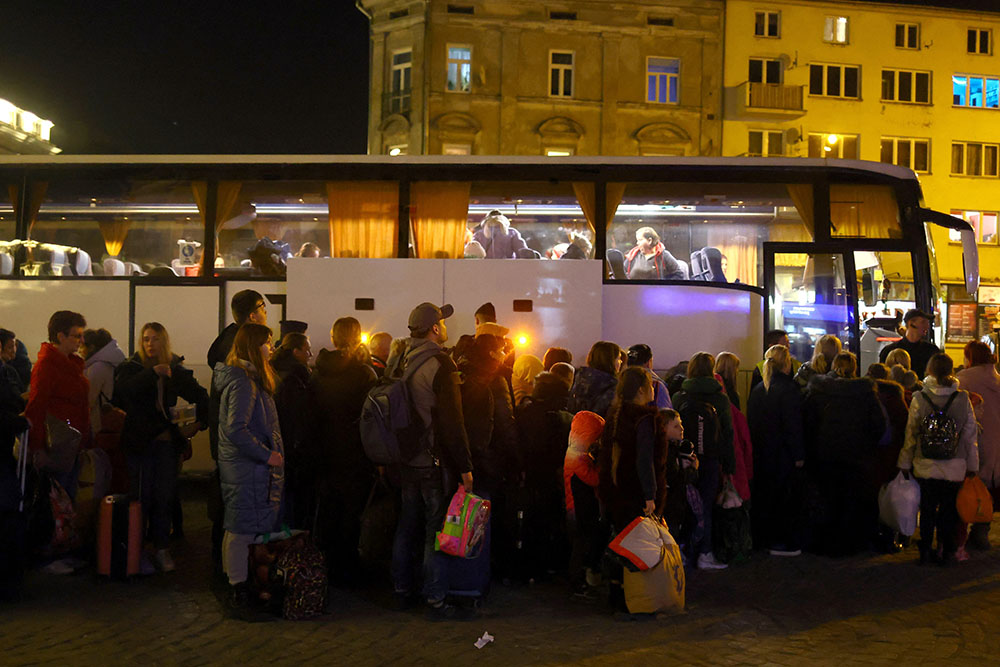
{"type": "Point", "coordinates": [212, 77]}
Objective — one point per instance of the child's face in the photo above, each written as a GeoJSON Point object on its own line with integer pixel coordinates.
{"type": "Point", "coordinates": [674, 429]}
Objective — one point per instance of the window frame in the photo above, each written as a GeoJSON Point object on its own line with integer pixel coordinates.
{"type": "Point", "coordinates": [563, 69]}
{"type": "Point", "coordinates": [449, 61]}
{"type": "Point", "coordinates": [403, 93]}
{"type": "Point", "coordinates": [843, 77]}
{"type": "Point", "coordinates": [766, 136]}
{"type": "Point", "coordinates": [955, 237]}
{"type": "Point", "coordinates": [667, 77]}
{"type": "Point", "coordinates": [968, 90]}
{"type": "Point", "coordinates": [979, 41]}
{"type": "Point", "coordinates": [840, 145]}
{"type": "Point", "coordinates": [913, 85]}
{"type": "Point", "coordinates": [763, 69]}
{"type": "Point", "coordinates": [847, 30]}
{"type": "Point", "coordinates": [983, 146]}
{"type": "Point", "coordinates": [767, 14]}
{"type": "Point", "coordinates": [912, 141]}
{"type": "Point", "coordinates": [906, 25]}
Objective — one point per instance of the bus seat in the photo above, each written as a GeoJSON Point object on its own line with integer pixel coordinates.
{"type": "Point", "coordinates": [58, 262]}
{"type": "Point", "coordinates": [685, 268]}
{"type": "Point", "coordinates": [706, 264]}
{"type": "Point", "coordinates": [114, 267]}
{"type": "Point", "coordinates": [83, 264]}
{"type": "Point", "coordinates": [617, 262]}
{"type": "Point", "coordinates": [6, 264]}
{"type": "Point", "coordinates": [133, 269]}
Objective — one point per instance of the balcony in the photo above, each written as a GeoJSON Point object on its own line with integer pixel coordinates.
{"type": "Point", "coordinates": [396, 101]}
{"type": "Point", "coordinates": [776, 99]}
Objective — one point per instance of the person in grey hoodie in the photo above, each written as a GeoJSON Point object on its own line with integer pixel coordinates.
{"type": "Point", "coordinates": [101, 356]}
{"type": "Point", "coordinates": [940, 479]}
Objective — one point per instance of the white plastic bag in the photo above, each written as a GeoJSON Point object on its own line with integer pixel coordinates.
{"type": "Point", "coordinates": [898, 502]}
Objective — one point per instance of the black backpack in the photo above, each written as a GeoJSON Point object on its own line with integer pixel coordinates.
{"type": "Point", "coordinates": [938, 436]}
{"type": "Point", "coordinates": [701, 424]}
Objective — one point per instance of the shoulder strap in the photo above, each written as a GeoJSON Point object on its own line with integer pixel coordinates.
{"type": "Point", "coordinates": [951, 399]}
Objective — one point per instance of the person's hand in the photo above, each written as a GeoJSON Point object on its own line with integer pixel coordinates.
{"type": "Point", "coordinates": [275, 459]}
{"type": "Point", "coordinates": [649, 508]}
{"type": "Point", "coordinates": [970, 474]}
{"type": "Point", "coordinates": [467, 481]}
{"type": "Point", "coordinates": [799, 464]}
{"type": "Point", "coordinates": [163, 370]}
{"type": "Point", "coordinates": [188, 430]}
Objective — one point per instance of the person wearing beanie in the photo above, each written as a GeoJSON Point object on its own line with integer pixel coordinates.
{"type": "Point", "coordinates": [526, 367]}
{"type": "Point", "coordinates": [581, 479]}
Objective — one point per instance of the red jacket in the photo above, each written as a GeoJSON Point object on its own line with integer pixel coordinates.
{"type": "Point", "coordinates": [584, 467]}
{"type": "Point", "coordinates": [58, 388]}
{"type": "Point", "coordinates": [743, 449]}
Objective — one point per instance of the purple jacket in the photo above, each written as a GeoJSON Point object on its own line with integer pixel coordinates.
{"type": "Point", "coordinates": [500, 246]}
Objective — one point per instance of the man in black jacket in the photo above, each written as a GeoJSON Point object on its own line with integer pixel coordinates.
{"type": "Point", "coordinates": [918, 323]}
{"type": "Point", "coordinates": [442, 450]}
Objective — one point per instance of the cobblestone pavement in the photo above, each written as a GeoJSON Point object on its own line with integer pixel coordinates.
{"type": "Point", "coordinates": [862, 610]}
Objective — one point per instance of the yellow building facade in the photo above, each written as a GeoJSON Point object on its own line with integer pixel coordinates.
{"type": "Point", "coordinates": [917, 86]}
{"type": "Point", "coordinates": [522, 77]}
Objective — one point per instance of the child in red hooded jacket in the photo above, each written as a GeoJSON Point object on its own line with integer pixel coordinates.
{"type": "Point", "coordinates": [582, 511]}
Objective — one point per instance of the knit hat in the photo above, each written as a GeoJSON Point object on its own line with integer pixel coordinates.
{"type": "Point", "coordinates": [585, 430]}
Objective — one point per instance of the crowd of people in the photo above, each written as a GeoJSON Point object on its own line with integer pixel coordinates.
{"type": "Point", "coordinates": [568, 454]}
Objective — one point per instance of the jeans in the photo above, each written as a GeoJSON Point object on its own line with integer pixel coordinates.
{"type": "Point", "coordinates": [937, 510]}
{"type": "Point", "coordinates": [421, 516]}
{"type": "Point", "coordinates": [709, 479]}
{"type": "Point", "coordinates": [153, 481]}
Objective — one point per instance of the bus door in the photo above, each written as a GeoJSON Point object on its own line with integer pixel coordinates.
{"type": "Point", "coordinates": [810, 292]}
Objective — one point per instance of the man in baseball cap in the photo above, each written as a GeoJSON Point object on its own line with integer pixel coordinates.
{"type": "Point", "coordinates": [426, 315]}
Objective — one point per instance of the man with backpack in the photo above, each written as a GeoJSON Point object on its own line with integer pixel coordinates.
{"type": "Point", "coordinates": [433, 456]}
{"type": "Point", "coordinates": [704, 411]}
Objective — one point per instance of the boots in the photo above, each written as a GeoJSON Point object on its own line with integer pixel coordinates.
{"type": "Point", "coordinates": [243, 605]}
{"type": "Point", "coordinates": [979, 537]}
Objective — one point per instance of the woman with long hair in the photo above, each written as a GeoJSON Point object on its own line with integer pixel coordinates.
{"type": "Point", "coordinates": [147, 387]}
{"type": "Point", "coordinates": [827, 347]}
{"type": "Point", "coordinates": [297, 419]}
{"type": "Point", "coordinates": [980, 376]}
{"type": "Point", "coordinates": [594, 384]}
{"type": "Point", "coordinates": [251, 454]}
{"type": "Point", "coordinates": [727, 365]}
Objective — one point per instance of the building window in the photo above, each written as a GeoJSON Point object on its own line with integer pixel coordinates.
{"type": "Point", "coordinates": [561, 73]}
{"type": "Point", "coordinates": [459, 68]}
{"type": "Point", "coordinates": [766, 24]}
{"type": "Point", "coordinates": [980, 41]}
{"type": "Point", "coordinates": [825, 144]}
{"type": "Point", "coordinates": [835, 30]}
{"type": "Point", "coordinates": [764, 70]}
{"type": "Point", "coordinates": [907, 35]}
{"type": "Point", "coordinates": [984, 224]}
{"type": "Point", "coordinates": [398, 149]}
{"type": "Point", "coordinates": [662, 80]}
{"type": "Point", "coordinates": [456, 149]}
{"type": "Point", "coordinates": [562, 151]}
{"type": "Point", "coordinates": [974, 159]}
{"type": "Point", "coordinates": [834, 80]}
{"type": "Point", "coordinates": [910, 153]}
{"type": "Point", "coordinates": [764, 143]}
{"type": "Point", "coordinates": [399, 99]}
{"type": "Point", "coordinates": [979, 92]}
{"type": "Point", "coordinates": [906, 86]}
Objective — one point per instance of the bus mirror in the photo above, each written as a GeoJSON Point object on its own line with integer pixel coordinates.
{"type": "Point", "coordinates": [868, 288]}
{"type": "Point", "coordinates": [970, 261]}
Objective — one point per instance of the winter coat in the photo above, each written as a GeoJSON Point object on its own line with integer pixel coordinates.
{"type": "Point", "coordinates": [585, 432]}
{"type": "Point", "coordinates": [12, 424]}
{"type": "Point", "coordinates": [339, 388]}
{"type": "Point", "coordinates": [501, 245]}
{"type": "Point", "coordinates": [489, 420]}
{"type": "Point", "coordinates": [844, 421]}
{"type": "Point", "coordinates": [967, 454]}
{"type": "Point", "coordinates": [890, 395]}
{"type": "Point", "coordinates": [805, 373]}
{"type": "Point", "coordinates": [985, 381]}
{"type": "Point", "coordinates": [592, 390]}
{"type": "Point", "coordinates": [640, 472]}
{"type": "Point", "coordinates": [295, 414]}
{"type": "Point", "coordinates": [743, 451]}
{"type": "Point", "coordinates": [217, 354]}
{"type": "Point", "coordinates": [248, 433]}
{"type": "Point", "coordinates": [100, 371]}
{"type": "Point", "coordinates": [58, 388]}
{"type": "Point", "coordinates": [775, 419]}
{"type": "Point", "coordinates": [543, 425]}
{"type": "Point", "coordinates": [758, 372]}
{"type": "Point", "coordinates": [709, 390]}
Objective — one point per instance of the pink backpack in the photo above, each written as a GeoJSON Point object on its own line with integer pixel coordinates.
{"type": "Point", "coordinates": [464, 525]}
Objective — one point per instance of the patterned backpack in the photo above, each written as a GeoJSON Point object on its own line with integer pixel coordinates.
{"type": "Point", "coordinates": [302, 571]}
{"type": "Point", "coordinates": [938, 436]}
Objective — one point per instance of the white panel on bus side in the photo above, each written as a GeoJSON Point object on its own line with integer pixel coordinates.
{"type": "Point", "coordinates": [26, 305]}
{"type": "Point", "coordinates": [679, 320]}
{"type": "Point", "coordinates": [190, 314]}
{"type": "Point", "coordinates": [264, 287]}
{"type": "Point", "coordinates": [565, 296]}
{"type": "Point", "coordinates": [321, 290]}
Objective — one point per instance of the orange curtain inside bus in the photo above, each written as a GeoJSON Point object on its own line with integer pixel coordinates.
{"type": "Point", "coordinates": [439, 212]}
{"type": "Point", "coordinates": [868, 211]}
{"type": "Point", "coordinates": [738, 244]}
{"type": "Point", "coordinates": [114, 233]}
{"type": "Point", "coordinates": [363, 218]}
{"type": "Point", "coordinates": [38, 189]}
{"type": "Point", "coordinates": [226, 195]}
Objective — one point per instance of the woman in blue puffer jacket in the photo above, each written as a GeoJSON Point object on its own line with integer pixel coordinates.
{"type": "Point", "coordinates": [251, 454]}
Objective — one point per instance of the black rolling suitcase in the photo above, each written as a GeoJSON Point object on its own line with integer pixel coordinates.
{"type": "Point", "coordinates": [469, 578]}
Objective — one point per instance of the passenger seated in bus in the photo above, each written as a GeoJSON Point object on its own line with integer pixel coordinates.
{"type": "Point", "coordinates": [308, 249]}
{"type": "Point", "coordinates": [579, 248]}
{"type": "Point", "coordinates": [498, 239]}
{"type": "Point", "coordinates": [650, 260]}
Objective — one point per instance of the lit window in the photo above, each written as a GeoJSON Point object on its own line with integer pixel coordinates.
{"type": "Point", "coordinates": [398, 149]}
{"type": "Point", "coordinates": [831, 145]}
{"type": "Point", "coordinates": [974, 159]}
{"type": "Point", "coordinates": [456, 149]}
{"type": "Point", "coordinates": [561, 73]}
{"type": "Point", "coordinates": [910, 153]}
{"type": "Point", "coordinates": [764, 70]}
{"type": "Point", "coordinates": [978, 92]}
{"type": "Point", "coordinates": [766, 24]}
{"type": "Point", "coordinates": [662, 80]}
{"type": "Point", "coordinates": [907, 35]}
{"type": "Point", "coordinates": [559, 152]}
{"type": "Point", "coordinates": [761, 143]}
{"type": "Point", "coordinates": [906, 86]}
{"type": "Point", "coordinates": [835, 80]}
{"type": "Point", "coordinates": [980, 41]}
{"type": "Point", "coordinates": [459, 68]}
{"type": "Point", "coordinates": [835, 30]}
{"type": "Point", "coordinates": [399, 98]}
{"type": "Point", "coordinates": [984, 225]}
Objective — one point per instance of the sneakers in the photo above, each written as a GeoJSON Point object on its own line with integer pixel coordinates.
{"type": "Point", "coordinates": [784, 551]}
{"type": "Point", "coordinates": [163, 561]}
{"type": "Point", "coordinates": [446, 612]}
{"type": "Point", "coordinates": [61, 567]}
{"type": "Point", "coordinates": [708, 562]}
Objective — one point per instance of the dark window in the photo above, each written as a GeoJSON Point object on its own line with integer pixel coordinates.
{"type": "Point", "coordinates": [920, 162]}
{"type": "Point", "coordinates": [833, 81]}
{"type": "Point", "coordinates": [756, 71]}
{"type": "Point", "coordinates": [568, 82]}
{"type": "Point", "coordinates": [903, 153]}
{"type": "Point", "coordinates": [756, 144]}
{"type": "Point", "coordinates": [888, 85]}
{"type": "Point", "coordinates": [850, 82]}
{"type": "Point", "coordinates": [773, 71]}
{"type": "Point", "coordinates": [923, 84]}
{"type": "Point", "coordinates": [659, 20]}
{"type": "Point", "coordinates": [973, 38]}
{"type": "Point", "coordinates": [815, 79]}
{"type": "Point", "coordinates": [772, 25]}
{"type": "Point", "coordinates": [461, 9]}
{"type": "Point", "coordinates": [984, 41]}
{"type": "Point", "coordinates": [911, 37]}
{"type": "Point", "coordinates": [905, 86]}
{"type": "Point", "coordinates": [760, 19]}
{"type": "Point", "coordinates": [555, 82]}
{"type": "Point", "coordinates": [563, 16]}
{"type": "Point", "coordinates": [399, 13]}
{"type": "Point", "coordinates": [886, 153]}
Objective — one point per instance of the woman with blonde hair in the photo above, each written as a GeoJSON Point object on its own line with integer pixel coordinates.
{"type": "Point", "coordinates": [774, 412]}
{"type": "Point", "coordinates": [147, 387]}
{"type": "Point", "coordinates": [251, 454]}
{"type": "Point", "coordinates": [827, 347]}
